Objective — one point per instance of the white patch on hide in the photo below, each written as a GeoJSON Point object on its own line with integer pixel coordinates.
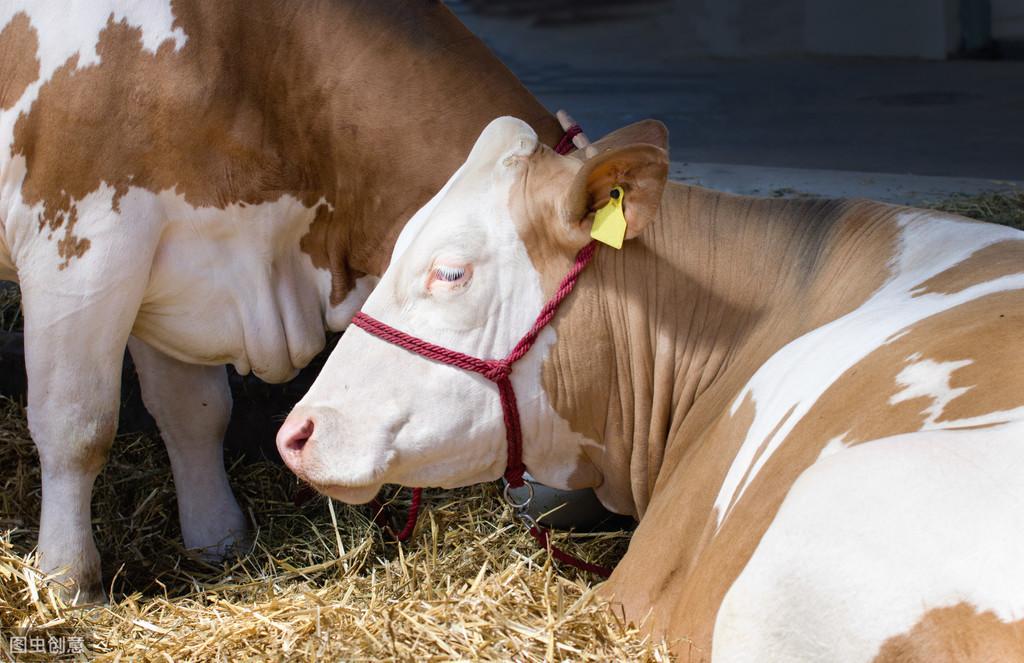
{"type": "Point", "coordinates": [69, 29]}
{"type": "Point", "coordinates": [338, 317]}
{"type": "Point", "coordinates": [869, 540]}
{"type": "Point", "coordinates": [796, 376]}
{"type": "Point", "coordinates": [930, 379]}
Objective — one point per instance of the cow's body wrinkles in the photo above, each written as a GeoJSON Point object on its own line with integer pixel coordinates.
{"type": "Point", "coordinates": [731, 350]}
{"type": "Point", "coordinates": [703, 304]}
{"type": "Point", "coordinates": [815, 408]}
{"type": "Point", "coordinates": [223, 182]}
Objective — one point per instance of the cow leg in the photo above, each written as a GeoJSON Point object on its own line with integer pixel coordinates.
{"type": "Point", "coordinates": [192, 406]}
{"type": "Point", "coordinates": [74, 350]}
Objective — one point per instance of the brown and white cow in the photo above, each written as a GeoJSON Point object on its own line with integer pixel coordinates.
{"type": "Point", "coordinates": [815, 408]}
{"type": "Point", "coordinates": [222, 181]}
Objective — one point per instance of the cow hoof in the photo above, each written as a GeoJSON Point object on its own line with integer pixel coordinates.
{"type": "Point", "coordinates": [76, 593]}
{"type": "Point", "coordinates": [75, 578]}
{"type": "Point", "coordinates": [93, 595]}
{"type": "Point", "coordinates": [224, 539]}
{"type": "Point", "coordinates": [222, 552]}
{"type": "Point", "coordinates": [234, 544]}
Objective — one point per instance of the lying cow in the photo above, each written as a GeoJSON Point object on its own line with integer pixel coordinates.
{"type": "Point", "coordinates": [221, 181]}
{"type": "Point", "coordinates": [815, 408]}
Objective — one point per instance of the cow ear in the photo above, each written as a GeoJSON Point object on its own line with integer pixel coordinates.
{"type": "Point", "coordinates": [640, 170]}
{"type": "Point", "coordinates": [644, 132]}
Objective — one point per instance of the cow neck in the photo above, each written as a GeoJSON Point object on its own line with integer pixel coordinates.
{"type": "Point", "coordinates": [652, 358]}
{"type": "Point", "coordinates": [409, 89]}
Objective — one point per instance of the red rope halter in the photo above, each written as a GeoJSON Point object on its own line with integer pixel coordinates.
{"type": "Point", "coordinates": [497, 371]}
{"type": "Point", "coordinates": [565, 145]}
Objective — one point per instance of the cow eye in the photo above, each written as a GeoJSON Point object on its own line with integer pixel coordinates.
{"type": "Point", "coordinates": [449, 274]}
{"type": "Point", "coordinates": [448, 277]}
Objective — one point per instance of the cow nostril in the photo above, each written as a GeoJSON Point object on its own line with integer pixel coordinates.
{"type": "Point", "coordinates": [295, 439]}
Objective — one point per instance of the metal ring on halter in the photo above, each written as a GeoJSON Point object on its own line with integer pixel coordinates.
{"type": "Point", "coordinates": [511, 500]}
{"type": "Point", "coordinates": [527, 520]}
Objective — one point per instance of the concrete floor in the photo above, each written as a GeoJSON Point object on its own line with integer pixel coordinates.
{"type": "Point", "coordinates": [962, 120]}
{"type": "Point", "coordinates": [918, 190]}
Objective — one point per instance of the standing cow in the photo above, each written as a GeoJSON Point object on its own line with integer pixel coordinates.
{"type": "Point", "coordinates": [816, 408]}
{"type": "Point", "coordinates": [210, 183]}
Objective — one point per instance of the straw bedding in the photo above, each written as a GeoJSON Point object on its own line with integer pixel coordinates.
{"type": "Point", "coordinates": [1006, 208]}
{"type": "Point", "coordinates": [321, 582]}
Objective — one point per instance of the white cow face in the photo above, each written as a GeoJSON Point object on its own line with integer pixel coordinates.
{"type": "Point", "coordinates": [470, 272]}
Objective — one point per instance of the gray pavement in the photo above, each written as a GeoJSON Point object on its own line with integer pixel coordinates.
{"type": "Point", "coordinates": [798, 182]}
{"type": "Point", "coordinates": [961, 121]}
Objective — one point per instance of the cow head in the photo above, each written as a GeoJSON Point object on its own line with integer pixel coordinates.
{"type": "Point", "coordinates": [470, 272]}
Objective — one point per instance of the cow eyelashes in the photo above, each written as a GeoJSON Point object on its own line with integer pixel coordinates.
{"type": "Point", "coordinates": [448, 274]}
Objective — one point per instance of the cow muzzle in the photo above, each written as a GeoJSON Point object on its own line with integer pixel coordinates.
{"type": "Point", "coordinates": [306, 443]}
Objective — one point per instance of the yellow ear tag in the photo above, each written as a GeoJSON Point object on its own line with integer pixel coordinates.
{"type": "Point", "coordinates": [609, 221]}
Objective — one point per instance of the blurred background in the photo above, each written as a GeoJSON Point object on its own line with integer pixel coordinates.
{"type": "Point", "coordinates": [763, 96]}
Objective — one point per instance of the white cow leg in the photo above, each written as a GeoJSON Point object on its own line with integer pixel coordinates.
{"type": "Point", "coordinates": [66, 546]}
{"type": "Point", "coordinates": [74, 381]}
{"type": "Point", "coordinates": [192, 406]}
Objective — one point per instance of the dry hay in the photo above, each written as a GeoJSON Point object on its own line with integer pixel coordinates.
{"type": "Point", "coordinates": [10, 307]}
{"type": "Point", "coordinates": [320, 582]}
{"type": "Point", "coordinates": [1005, 208]}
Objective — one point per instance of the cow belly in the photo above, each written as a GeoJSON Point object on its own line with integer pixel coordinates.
{"type": "Point", "coordinates": [251, 337]}
{"type": "Point", "coordinates": [232, 287]}
{"type": "Point", "coordinates": [872, 537]}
